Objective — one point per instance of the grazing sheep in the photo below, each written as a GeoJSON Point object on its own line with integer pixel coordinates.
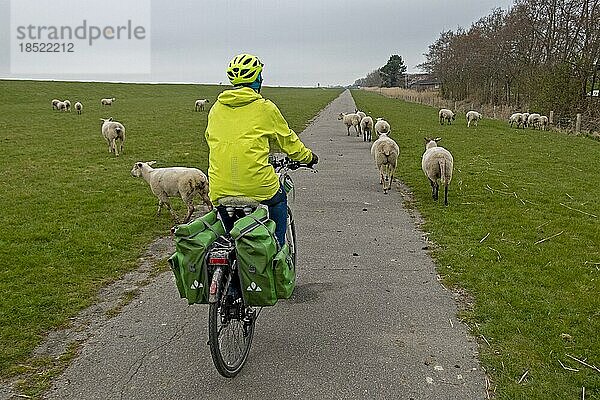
{"type": "Point", "coordinates": [350, 120]}
{"type": "Point", "coordinates": [366, 127]}
{"type": "Point", "coordinates": [78, 107]}
{"type": "Point", "coordinates": [174, 181]}
{"type": "Point", "coordinates": [385, 152]}
{"type": "Point", "coordinates": [114, 133]}
{"type": "Point", "coordinates": [200, 104]}
{"type": "Point", "coordinates": [67, 105]}
{"type": "Point", "coordinates": [473, 116]}
{"type": "Point", "coordinates": [446, 115]}
{"type": "Point", "coordinates": [55, 103]}
{"type": "Point", "coordinates": [107, 102]}
{"type": "Point", "coordinates": [437, 163]}
{"type": "Point", "coordinates": [515, 119]}
{"type": "Point", "coordinates": [382, 127]}
{"type": "Point", "coordinates": [61, 106]}
{"type": "Point", "coordinates": [543, 122]}
{"type": "Point", "coordinates": [533, 120]}
{"type": "Point", "coordinates": [524, 119]}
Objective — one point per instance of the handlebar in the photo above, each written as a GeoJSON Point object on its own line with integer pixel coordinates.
{"type": "Point", "coordinates": [286, 162]}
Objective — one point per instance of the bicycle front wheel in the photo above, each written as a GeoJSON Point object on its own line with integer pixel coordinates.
{"type": "Point", "coordinates": [290, 236]}
{"type": "Point", "coordinates": [230, 332]}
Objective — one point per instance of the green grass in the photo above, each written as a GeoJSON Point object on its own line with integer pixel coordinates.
{"type": "Point", "coordinates": [508, 187]}
{"type": "Point", "coordinates": [73, 218]}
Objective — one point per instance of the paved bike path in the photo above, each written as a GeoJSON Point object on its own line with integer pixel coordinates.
{"type": "Point", "coordinates": [368, 320]}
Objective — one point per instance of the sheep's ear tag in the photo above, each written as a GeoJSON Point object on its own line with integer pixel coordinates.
{"type": "Point", "coordinates": [437, 139]}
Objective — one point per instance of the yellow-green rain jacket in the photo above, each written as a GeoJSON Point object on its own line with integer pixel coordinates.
{"type": "Point", "coordinates": [240, 125]}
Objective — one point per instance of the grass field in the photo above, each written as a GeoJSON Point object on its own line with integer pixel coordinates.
{"type": "Point", "coordinates": [73, 218]}
{"type": "Point", "coordinates": [522, 236]}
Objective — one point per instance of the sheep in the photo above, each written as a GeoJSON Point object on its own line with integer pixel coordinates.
{"type": "Point", "coordinates": [543, 122]}
{"type": "Point", "coordinates": [55, 103]}
{"type": "Point", "coordinates": [67, 105]}
{"type": "Point", "coordinates": [359, 113]}
{"type": "Point", "coordinates": [200, 103]}
{"type": "Point", "coordinates": [61, 106]}
{"type": "Point", "coordinates": [437, 163]}
{"type": "Point", "coordinates": [533, 120]}
{"type": "Point", "coordinates": [114, 133]}
{"type": "Point", "coordinates": [385, 152]}
{"type": "Point", "coordinates": [382, 126]}
{"type": "Point", "coordinates": [446, 115]}
{"type": "Point", "coordinates": [174, 181]}
{"type": "Point", "coordinates": [366, 126]}
{"type": "Point", "coordinates": [78, 107]}
{"type": "Point", "coordinates": [524, 118]}
{"type": "Point", "coordinates": [350, 120]}
{"type": "Point", "coordinates": [473, 116]}
{"type": "Point", "coordinates": [515, 119]}
{"type": "Point", "coordinates": [107, 102]}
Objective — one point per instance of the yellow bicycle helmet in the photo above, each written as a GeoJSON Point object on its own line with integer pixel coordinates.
{"type": "Point", "coordinates": [244, 68]}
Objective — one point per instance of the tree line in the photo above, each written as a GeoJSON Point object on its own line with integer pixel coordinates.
{"type": "Point", "coordinates": [539, 55]}
{"type": "Point", "coordinates": [392, 74]}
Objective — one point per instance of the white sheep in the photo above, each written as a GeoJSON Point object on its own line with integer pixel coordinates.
{"type": "Point", "coordinates": [382, 127]}
{"type": "Point", "coordinates": [446, 115]}
{"type": "Point", "coordinates": [524, 119]}
{"type": "Point", "coordinates": [78, 107]}
{"type": "Point", "coordinates": [473, 116]}
{"type": "Point", "coordinates": [174, 181]}
{"type": "Point", "coordinates": [366, 127]}
{"type": "Point", "coordinates": [437, 163]}
{"type": "Point", "coordinates": [107, 102]}
{"type": "Point", "coordinates": [515, 119]}
{"type": "Point", "coordinates": [543, 122]}
{"type": "Point", "coordinates": [385, 152]}
{"type": "Point", "coordinates": [67, 105]}
{"type": "Point", "coordinates": [533, 120]}
{"type": "Point", "coordinates": [350, 120]}
{"type": "Point", "coordinates": [200, 104]}
{"type": "Point", "coordinates": [359, 113]}
{"type": "Point", "coordinates": [61, 106]}
{"type": "Point", "coordinates": [55, 103]}
{"type": "Point", "coordinates": [114, 133]}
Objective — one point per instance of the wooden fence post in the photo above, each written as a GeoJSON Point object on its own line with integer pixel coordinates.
{"type": "Point", "coordinates": [551, 119]}
{"type": "Point", "coordinates": [578, 124]}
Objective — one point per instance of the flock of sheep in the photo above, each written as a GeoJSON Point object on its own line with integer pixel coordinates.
{"type": "Point", "coordinates": [164, 182]}
{"type": "Point", "coordinates": [533, 120]}
{"type": "Point", "coordinates": [437, 162]}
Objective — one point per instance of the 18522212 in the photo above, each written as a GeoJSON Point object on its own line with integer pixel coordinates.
{"type": "Point", "coordinates": [33, 47]}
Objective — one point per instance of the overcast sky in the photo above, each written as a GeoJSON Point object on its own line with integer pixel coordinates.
{"type": "Point", "coordinates": [302, 43]}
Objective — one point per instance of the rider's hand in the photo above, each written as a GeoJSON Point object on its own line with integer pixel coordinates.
{"type": "Point", "coordinates": [314, 160]}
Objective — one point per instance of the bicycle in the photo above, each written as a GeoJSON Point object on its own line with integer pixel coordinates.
{"type": "Point", "coordinates": [231, 321]}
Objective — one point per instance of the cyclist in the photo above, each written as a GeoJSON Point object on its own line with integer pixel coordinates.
{"type": "Point", "coordinates": [241, 125]}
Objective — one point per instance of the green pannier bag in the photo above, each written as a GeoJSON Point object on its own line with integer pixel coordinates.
{"type": "Point", "coordinates": [255, 247]}
{"type": "Point", "coordinates": [191, 242]}
{"type": "Point", "coordinates": [284, 273]}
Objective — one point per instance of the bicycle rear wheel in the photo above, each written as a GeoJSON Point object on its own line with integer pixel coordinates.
{"type": "Point", "coordinates": [230, 333]}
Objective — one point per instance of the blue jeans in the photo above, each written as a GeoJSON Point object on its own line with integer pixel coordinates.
{"type": "Point", "coordinates": [277, 212]}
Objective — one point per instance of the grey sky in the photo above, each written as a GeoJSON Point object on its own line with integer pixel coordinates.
{"type": "Point", "coordinates": [301, 43]}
